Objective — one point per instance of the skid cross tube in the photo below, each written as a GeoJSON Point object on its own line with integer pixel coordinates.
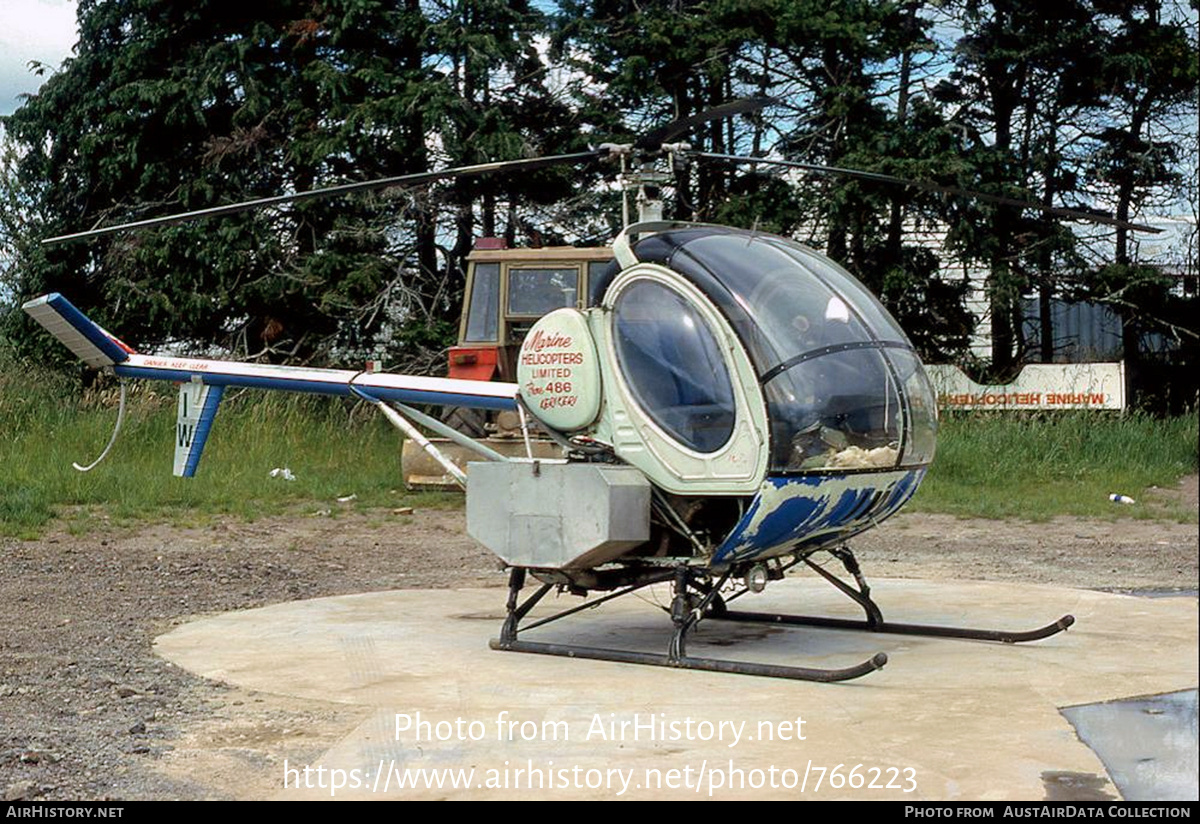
{"type": "Point", "coordinates": [875, 622]}
{"type": "Point", "coordinates": [693, 600]}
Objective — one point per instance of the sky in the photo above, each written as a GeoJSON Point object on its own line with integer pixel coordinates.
{"type": "Point", "coordinates": [42, 30]}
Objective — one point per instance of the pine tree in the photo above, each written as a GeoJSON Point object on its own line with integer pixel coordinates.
{"type": "Point", "coordinates": [167, 108]}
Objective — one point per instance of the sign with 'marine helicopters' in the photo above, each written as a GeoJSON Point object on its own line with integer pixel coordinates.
{"type": "Point", "coordinates": [729, 404]}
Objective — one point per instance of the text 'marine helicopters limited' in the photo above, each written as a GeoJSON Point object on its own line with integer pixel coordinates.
{"type": "Point", "coordinates": [730, 404]}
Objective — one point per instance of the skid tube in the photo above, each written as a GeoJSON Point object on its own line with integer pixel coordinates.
{"type": "Point", "coordinates": [686, 612]}
{"type": "Point", "coordinates": [874, 621]}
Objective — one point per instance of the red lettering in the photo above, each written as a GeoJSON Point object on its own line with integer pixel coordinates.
{"type": "Point", "coordinates": [554, 340]}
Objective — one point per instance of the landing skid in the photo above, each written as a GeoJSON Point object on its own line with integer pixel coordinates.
{"type": "Point", "coordinates": [874, 621]}
{"type": "Point", "coordinates": [695, 598]}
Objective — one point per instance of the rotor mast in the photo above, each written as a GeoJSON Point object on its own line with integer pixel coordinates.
{"type": "Point", "coordinates": [641, 179]}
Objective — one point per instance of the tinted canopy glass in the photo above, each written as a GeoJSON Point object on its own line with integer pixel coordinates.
{"type": "Point", "coordinates": [844, 390]}
{"type": "Point", "coordinates": [673, 365]}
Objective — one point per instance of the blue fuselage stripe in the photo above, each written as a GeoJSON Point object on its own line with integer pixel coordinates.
{"type": "Point", "coordinates": [791, 513]}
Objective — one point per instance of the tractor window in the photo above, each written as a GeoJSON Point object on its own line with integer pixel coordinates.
{"type": "Point", "coordinates": [672, 363]}
{"type": "Point", "coordinates": [536, 292]}
{"type": "Point", "coordinates": [483, 319]}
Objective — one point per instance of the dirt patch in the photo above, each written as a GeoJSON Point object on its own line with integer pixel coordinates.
{"type": "Point", "coordinates": [1113, 555]}
{"type": "Point", "coordinates": [1184, 496]}
{"type": "Point", "coordinates": [89, 712]}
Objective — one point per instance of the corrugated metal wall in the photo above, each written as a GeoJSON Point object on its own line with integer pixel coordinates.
{"type": "Point", "coordinates": [1083, 333]}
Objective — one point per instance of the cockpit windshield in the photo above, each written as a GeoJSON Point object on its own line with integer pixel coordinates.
{"type": "Point", "coordinates": [843, 387]}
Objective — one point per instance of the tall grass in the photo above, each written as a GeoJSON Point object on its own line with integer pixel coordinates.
{"type": "Point", "coordinates": [334, 448]}
{"type": "Point", "coordinates": [987, 465]}
{"type": "Point", "coordinates": [999, 465]}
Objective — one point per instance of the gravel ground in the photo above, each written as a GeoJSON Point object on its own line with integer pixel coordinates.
{"type": "Point", "coordinates": [88, 712]}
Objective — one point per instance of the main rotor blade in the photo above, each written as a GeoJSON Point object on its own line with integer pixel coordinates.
{"type": "Point", "coordinates": [653, 139]}
{"type": "Point", "coordinates": [936, 187]}
{"type": "Point", "coordinates": [334, 191]}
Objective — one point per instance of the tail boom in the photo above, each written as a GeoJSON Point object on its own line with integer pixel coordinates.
{"type": "Point", "coordinates": [97, 347]}
{"type": "Point", "coordinates": [202, 382]}
{"type": "Point", "coordinates": [385, 386]}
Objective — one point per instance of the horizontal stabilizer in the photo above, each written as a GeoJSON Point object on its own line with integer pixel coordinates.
{"type": "Point", "coordinates": [87, 339]}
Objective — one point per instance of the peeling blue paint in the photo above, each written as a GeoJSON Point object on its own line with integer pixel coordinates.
{"type": "Point", "coordinates": [790, 513]}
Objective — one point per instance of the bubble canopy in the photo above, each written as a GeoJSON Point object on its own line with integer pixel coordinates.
{"type": "Point", "coordinates": [843, 387]}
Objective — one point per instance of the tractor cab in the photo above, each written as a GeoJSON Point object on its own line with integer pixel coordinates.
{"type": "Point", "coordinates": [507, 291]}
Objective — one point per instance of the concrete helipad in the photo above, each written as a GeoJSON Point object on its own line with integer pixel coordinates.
{"type": "Point", "coordinates": [944, 720]}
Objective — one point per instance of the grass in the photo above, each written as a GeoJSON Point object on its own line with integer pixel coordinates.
{"type": "Point", "coordinates": [1035, 467]}
{"type": "Point", "coordinates": [334, 448]}
{"type": "Point", "coordinates": [987, 465]}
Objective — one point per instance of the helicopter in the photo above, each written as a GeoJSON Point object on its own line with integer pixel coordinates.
{"type": "Point", "coordinates": [729, 404]}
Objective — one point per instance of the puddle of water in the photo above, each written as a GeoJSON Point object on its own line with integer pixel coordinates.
{"type": "Point", "coordinates": [1148, 745]}
{"type": "Point", "coordinates": [1073, 786]}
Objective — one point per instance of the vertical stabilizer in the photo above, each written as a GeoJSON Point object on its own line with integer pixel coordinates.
{"type": "Point", "coordinates": [198, 404]}
{"type": "Point", "coordinates": [86, 338]}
